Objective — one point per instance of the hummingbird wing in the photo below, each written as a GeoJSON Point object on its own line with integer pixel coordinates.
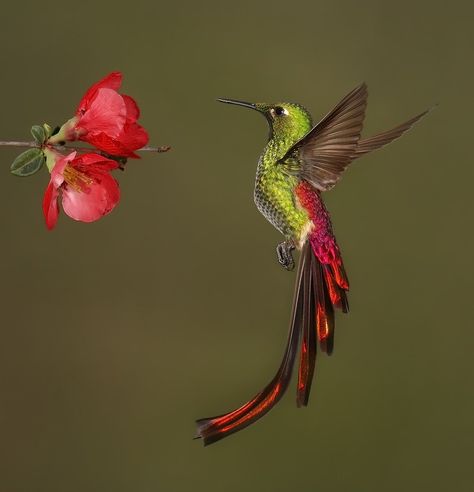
{"type": "Point", "coordinates": [367, 145]}
{"type": "Point", "coordinates": [322, 155]}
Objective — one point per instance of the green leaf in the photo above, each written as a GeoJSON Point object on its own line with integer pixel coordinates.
{"type": "Point", "coordinates": [28, 162]}
{"type": "Point", "coordinates": [47, 130]}
{"type": "Point", "coordinates": [39, 134]}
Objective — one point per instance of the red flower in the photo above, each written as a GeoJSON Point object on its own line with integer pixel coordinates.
{"type": "Point", "coordinates": [84, 185]}
{"type": "Point", "coordinates": [106, 120]}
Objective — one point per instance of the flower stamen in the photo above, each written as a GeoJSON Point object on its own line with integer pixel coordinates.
{"type": "Point", "coordinates": [75, 179]}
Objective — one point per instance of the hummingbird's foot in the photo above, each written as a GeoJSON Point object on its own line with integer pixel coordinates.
{"type": "Point", "coordinates": [285, 256]}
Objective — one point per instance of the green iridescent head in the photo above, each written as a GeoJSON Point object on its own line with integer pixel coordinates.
{"type": "Point", "coordinates": [286, 120]}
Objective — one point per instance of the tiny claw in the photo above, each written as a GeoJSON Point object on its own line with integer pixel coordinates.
{"type": "Point", "coordinates": [284, 254]}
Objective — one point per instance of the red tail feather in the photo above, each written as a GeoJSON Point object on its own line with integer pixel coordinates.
{"type": "Point", "coordinates": [215, 428]}
{"type": "Point", "coordinates": [308, 344]}
{"type": "Point", "coordinates": [317, 292]}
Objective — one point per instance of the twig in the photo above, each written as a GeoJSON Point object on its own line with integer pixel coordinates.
{"type": "Point", "coordinates": [11, 143]}
{"type": "Point", "coordinates": [19, 144]}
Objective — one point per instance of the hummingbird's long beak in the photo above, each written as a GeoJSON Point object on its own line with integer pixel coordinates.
{"type": "Point", "coordinates": [238, 103]}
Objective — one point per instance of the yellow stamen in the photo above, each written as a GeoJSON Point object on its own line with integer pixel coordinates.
{"type": "Point", "coordinates": [75, 179]}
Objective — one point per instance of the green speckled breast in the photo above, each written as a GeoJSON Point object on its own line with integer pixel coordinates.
{"type": "Point", "coordinates": [274, 188]}
{"type": "Point", "coordinates": [275, 198]}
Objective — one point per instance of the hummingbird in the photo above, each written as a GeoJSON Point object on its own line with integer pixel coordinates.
{"type": "Point", "coordinates": [301, 161]}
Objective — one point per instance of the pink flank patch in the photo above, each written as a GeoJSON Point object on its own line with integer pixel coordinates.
{"type": "Point", "coordinates": [322, 238]}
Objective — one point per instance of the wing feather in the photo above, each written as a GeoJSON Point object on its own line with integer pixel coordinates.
{"type": "Point", "coordinates": [323, 154]}
{"type": "Point", "coordinates": [330, 146]}
{"type": "Point", "coordinates": [373, 143]}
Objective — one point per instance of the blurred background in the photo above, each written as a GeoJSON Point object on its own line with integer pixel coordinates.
{"type": "Point", "coordinates": [117, 335]}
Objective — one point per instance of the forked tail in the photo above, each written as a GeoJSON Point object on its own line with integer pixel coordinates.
{"type": "Point", "coordinates": [317, 292]}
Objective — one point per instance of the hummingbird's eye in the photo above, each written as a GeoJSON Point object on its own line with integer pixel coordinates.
{"type": "Point", "coordinates": [279, 111]}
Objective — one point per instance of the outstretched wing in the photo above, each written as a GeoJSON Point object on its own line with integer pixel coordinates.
{"type": "Point", "coordinates": [324, 153]}
{"type": "Point", "coordinates": [367, 145]}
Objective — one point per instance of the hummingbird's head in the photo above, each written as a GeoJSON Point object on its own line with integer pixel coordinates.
{"type": "Point", "coordinates": [286, 120]}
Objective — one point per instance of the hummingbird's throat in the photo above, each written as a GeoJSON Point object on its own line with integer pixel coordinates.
{"type": "Point", "coordinates": [76, 179]}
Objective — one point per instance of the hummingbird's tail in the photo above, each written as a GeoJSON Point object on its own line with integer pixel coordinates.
{"type": "Point", "coordinates": [312, 319]}
{"type": "Point", "coordinates": [326, 287]}
{"type": "Point", "coordinates": [215, 428]}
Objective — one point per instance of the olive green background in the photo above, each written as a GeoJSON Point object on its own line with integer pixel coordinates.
{"type": "Point", "coordinates": [117, 335]}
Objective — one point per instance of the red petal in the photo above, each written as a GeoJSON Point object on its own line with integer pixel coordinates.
{"type": "Point", "coordinates": [57, 171]}
{"type": "Point", "coordinates": [111, 81]}
{"type": "Point", "coordinates": [134, 136]}
{"type": "Point", "coordinates": [94, 202]}
{"type": "Point", "coordinates": [91, 163]}
{"type": "Point", "coordinates": [107, 113]}
{"type": "Point", "coordinates": [50, 205]}
{"type": "Point", "coordinates": [133, 111]}
{"type": "Point", "coordinates": [110, 145]}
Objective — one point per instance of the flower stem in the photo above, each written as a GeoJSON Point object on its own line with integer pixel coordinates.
{"type": "Point", "coordinates": [18, 144]}
{"type": "Point", "coordinates": [9, 143]}
{"type": "Point", "coordinates": [162, 148]}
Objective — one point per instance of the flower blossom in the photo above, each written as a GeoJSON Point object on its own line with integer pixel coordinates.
{"type": "Point", "coordinates": [83, 185]}
{"type": "Point", "coordinates": [106, 119]}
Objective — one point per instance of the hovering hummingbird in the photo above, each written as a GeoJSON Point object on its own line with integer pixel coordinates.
{"type": "Point", "coordinates": [298, 163]}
